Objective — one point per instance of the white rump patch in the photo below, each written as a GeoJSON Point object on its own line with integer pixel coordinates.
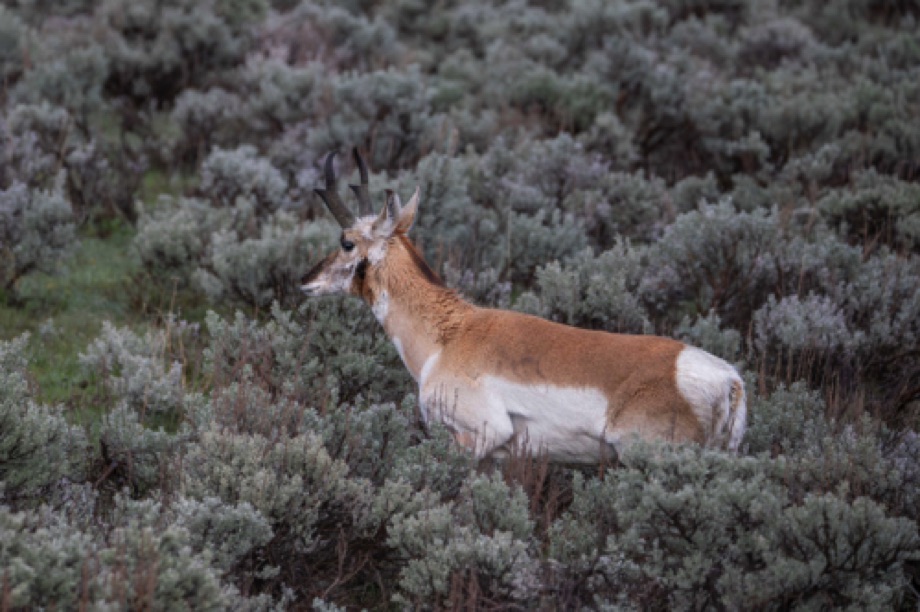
{"type": "Point", "coordinates": [567, 423]}
{"type": "Point", "coordinates": [381, 307]}
{"type": "Point", "coordinates": [706, 383]}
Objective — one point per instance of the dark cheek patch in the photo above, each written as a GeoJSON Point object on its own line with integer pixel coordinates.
{"type": "Point", "coordinates": [358, 286]}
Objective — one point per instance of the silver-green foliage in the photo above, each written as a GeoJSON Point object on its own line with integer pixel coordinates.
{"type": "Point", "coordinates": [242, 242]}
{"type": "Point", "coordinates": [295, 483]}
{"type": "Point", "coordinates": [588, 291]}
{"type": "Point", "coordinates": [241, 173]}
{"type": "Point", "coordinates": [265, 267]}
{"type": "Point", "coordinates": [140, 561]}
{"type": "Point", "coordinates": [38, 447]}
{"type": "Point", "coordinates": [205, 118]}
{"type": "Point", "coordinates": [228, 532]}
{"type": "Point", "coordinates": [688, 528]}
{"type": "Point", "coordinates": [171, 239]}
{"type": "Point", "coordinates": [69, 78]}
{"type": "Point", "coordinates": [14, 34]}
{"type": "Point", "coordinates": [157, 49]}
{"type": "Point", "coordinates": [714, 258]}
{"type": "Point", "coordinates": [739, 175]}
{"type": "Point", "coordinates": [481, 541]}
{"type": "Point", "coordinates": [48, 146]}
{"type": "Point", "coordinates": [334, 352]}
{"type": "Point", "coordinates": [136, 369]}
{"type": "Point", "coordinates": [37, 231]}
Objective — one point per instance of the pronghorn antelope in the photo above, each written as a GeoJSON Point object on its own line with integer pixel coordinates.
{"type": "Point", "coordinates": [497, 378]}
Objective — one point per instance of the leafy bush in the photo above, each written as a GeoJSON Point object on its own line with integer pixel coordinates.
{"type": "Point", "coordinates": [36, 232]}
{"type": "Point", "coordinates": [172, 239]}
{"type": "Point", "coordinates": [136, 370]}
{"type": "Point", "coordinates": [479, 546]}
{"type": "Point", "coordinates": [684, 528]}
{"type": "Point", "coordinates": [51, 561]}
{"type": "Point", "coordinates": [595, 292]}
{"type": "Point", "coordinates": [241, 243]}
{"type": "Point", "coordinates": [13, 44]}
{"type": "Point", "coordinates": [38, 447]}
{"type": "Point", "coordinates": [715, 258]}
{"type": "Point", "coordinates": [157, 49]}
{"type": "Point", "coordinates": [228, 175]}
{"type": "Point", "coordinates": [72, 80]}
{"type": "Point", "coordinates": [41, 142]}
{"type": "Point", "coordinates": [204, 118]}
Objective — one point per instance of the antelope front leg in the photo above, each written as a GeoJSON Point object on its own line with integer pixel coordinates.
{"type": "Point", "coordinates": [476, 423]}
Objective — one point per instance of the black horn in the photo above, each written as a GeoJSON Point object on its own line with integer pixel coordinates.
{"type": "Point", "coordinates": [361, 191]}
{"type": "Point", "coordinates": [330, 196]}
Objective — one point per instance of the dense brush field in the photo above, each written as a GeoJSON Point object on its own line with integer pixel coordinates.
{"type": "Point", "coordinates": [180, 429]}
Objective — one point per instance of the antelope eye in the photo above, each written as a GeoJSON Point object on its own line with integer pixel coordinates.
{"type": "Point", "coordinates": [347, 245]}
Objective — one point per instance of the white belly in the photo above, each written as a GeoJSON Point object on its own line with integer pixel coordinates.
{"type": "Point", "coordinates": [566, 423]}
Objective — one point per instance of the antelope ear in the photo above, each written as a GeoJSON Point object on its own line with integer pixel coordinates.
{"type": "Point", "coordinates": [407, 214]}
{"type": "Point", "coordinates": [386, 221]}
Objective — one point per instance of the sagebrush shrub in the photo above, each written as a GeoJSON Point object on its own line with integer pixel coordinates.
{"type": "Point", "coordinates": [38, 447]}
{"type": "Point", "coordinates": [714, 258]}
{"type": "Point", "coordinates": [14, 35]}
{"type": "Point", "coordinates": [42, 141]}
{"type": "Point", "coordinates": [242, 173]}
{"type": "Point", "coordinates": [172, 239]}
{"type": "Point", "coordinates": [157, 49]}
{"type": "Point", "coordinates": [71, 80]}
{"type": "Point", "coordinates": [695, 530]}
{"type": "Point", "coordinates": [138, 561]}
{"type": "Point", "coordinates": [877, 207]}
{"type": "Point", "coordinates": [136, 369]}
{"type": "Point", "coordinates": [595, 292]}
{"type": "Point", "coordinates": [480, 545]}
{"type": "Point", "coordinates": [267, 267]}
{"type": "Point", "coordinates": [37, 231]}
{"type": "Point", "coordinates": [205, 119]}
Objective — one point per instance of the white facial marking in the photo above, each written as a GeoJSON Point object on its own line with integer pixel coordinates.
{"type": "Point", "coordinates": [365, 226]}
{"type": "Point", "coordinates": [706, 382]}
{"type": "Point", "coordinates": [377, 252]}
{"type": "Point", "coordinates": [567, 423]}
{"type": "Point", "coordinates": [381, 306]}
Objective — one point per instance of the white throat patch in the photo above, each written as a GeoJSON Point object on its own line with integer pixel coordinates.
{"type": "Point", "coordinates": [381, 307]}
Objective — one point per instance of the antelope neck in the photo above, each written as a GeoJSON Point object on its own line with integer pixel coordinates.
{"type": "Point", "coordinates": [417, 314]}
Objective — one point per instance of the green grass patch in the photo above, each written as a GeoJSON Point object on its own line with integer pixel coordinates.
{"type": "Point", "coordinates": [159, 182]}
{"type": "Point", "coordinates": [64, 312]}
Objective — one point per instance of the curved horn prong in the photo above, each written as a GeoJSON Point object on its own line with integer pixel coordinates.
{"type": "Point", "coordinates": [361, 191]}
{"type": "Point", "coordinates": [330, 196]}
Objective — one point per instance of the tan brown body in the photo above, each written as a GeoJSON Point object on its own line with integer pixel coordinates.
{"type": "Point", "coordinates": [499, 378]}
{"type": "Point", "coordinates": [633, 372]}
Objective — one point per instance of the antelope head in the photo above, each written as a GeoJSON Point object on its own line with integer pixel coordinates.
{"type": "Point", "coordinates": [365, 240]}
